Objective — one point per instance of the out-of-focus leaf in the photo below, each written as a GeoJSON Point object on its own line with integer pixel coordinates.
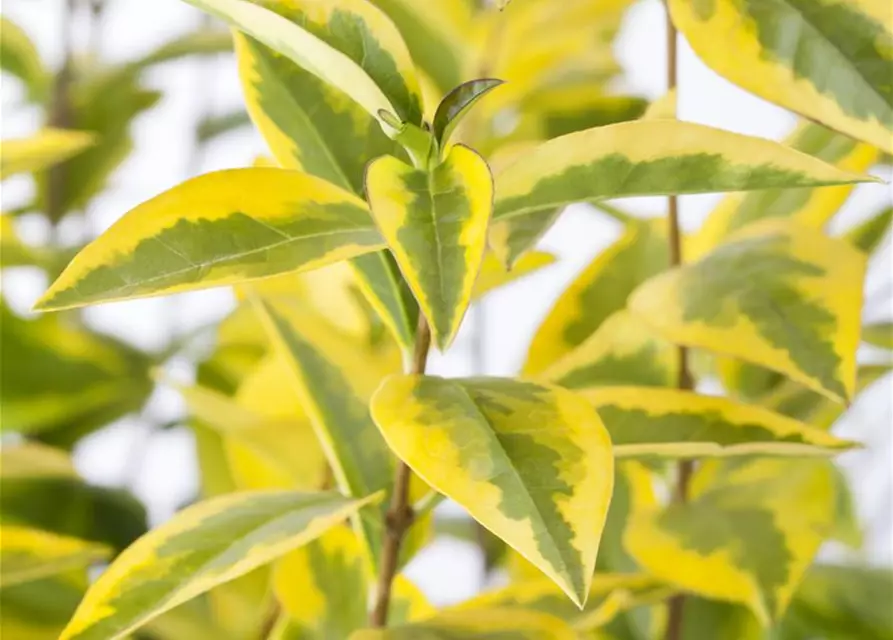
{"type": "Point", "coordinates": [42, 150]}
{"type": "Point", "coordinates": [435, 224]}
{"type": "Point", "coordinates": [214, 126]}
{"type": "Point", "coordinates": [68, 381]}
{"type": "Point", "coordinates": [104, 102]}
{"type": "Point", "coordinates": [664, 107]}
{"type": "Point", "coordinates": [869, 234]}
{"type": "Point", "coordinates": [200, 42]}
{"type": "Point", "coordinates": [39, 610]}
{"type": "Point", "coordinates": [29, 554]}
{"type": "Point", "coordinates": [494, 275]}
{"type": "Point", "coordinates": [778, 294]}
{"type": "Point", "coordinates": [13, 252]}
{"type": "Point", "coordinates": [220, 228]}
{"type": "Point", "coordinates": [813, 207]}
{"type": "Point", "coordinates": [743, 42]}
{"type": "Point", "coordinates": [485, 624]}
{"type": "Point", "coordinates": [208, 544]}
{"type": "Point", "coordinates": [623, 350]}
{"type": "Point", "coordinates": [747, 535]}
{"type": "Point", "coordinates": [719, 620]}
{"type": "Point", "coordinates": [840, 602]}
{"type": "Point", "coordinates": [598, 292]}
{"type": "Point", "coordinates": [880, 334]}
{"type": "Point", "coordinates": [504, 450]}
{"type": "Point", "coordinates": [324, 586]}
{"type": "Point", "coordinates": [19, 57]}
{"type": "Point", "coordinates": [649, 422]}
{"type": "Point", "coordinates": [41, 491]}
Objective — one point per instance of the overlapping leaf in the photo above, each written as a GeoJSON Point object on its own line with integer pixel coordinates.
{"type": "Point", "coordinates": [748, 534]}
{"type": "Point", "coordinates": [531, 463]}
{"type": "Point", "coordinates": [598, 292]}
{"type": "Point", "coordinates": [673, 423]}
{"type": "Point", "coordinates": [494, 275]}
{"type": "Point", "coordinates": [220, 228]}
{"type": "Point", "coordinates": [782, 51]}
{"type": "Point", "coordinates": [652, 157]}
{"type": "Point", "coordinates": [324, 586]}
{"type": "Point", "coordinates": [39, 610]}
{"type": "Point", "coordinates": [68, 381]}
{"type": "Point", "coordinates": [207, 544]}
{"type": "Point", "coordinates": [30, 554]}
{"type": "Point", "coordinates": [623, 350]}
{"type": "Point", "coordinates": [333, 386]}
{"type": "Point", "coordinates": [435, 224]}
{"type": "Point", "coordinates": [306, 49]}
{"type": "Point", "coordinates": [44, 149]}
{"type": "Point", "coordinates": [779, 295]}
{"type": "Point", "coordinates": [813, 207]}
{"type": "Point", "coordinates": [19, 57]}
{"type": "Point", "coordinates": [869, 234]}
{"type": "Point", "coordinates": [486, 624]}
{"type": "Point", "coordinates": [608, 594]}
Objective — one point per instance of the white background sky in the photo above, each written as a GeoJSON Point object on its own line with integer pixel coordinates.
{"type": "Point", "coordinates": [161, 468]}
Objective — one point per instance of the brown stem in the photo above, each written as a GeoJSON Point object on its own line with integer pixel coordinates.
{"type": "Point", "coordinates": [399, 516]}
{"type": "Point", "coordinates": [684, 379]}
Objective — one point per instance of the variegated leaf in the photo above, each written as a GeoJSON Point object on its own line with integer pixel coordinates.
{"type": "Point", "coordinates": [782, 51]}
{"type": "Point", "coordinates": [747, 535]}
{"type": "Point", "coordinates": [494, 275]}
{"type": "Point", "coordinates": [323, 588]}
{"type": "Point", "coordinates": [608, 594]}
{"type": "Point", "coordinates": [879, 334]}
{"type": "Point", "coordinates": [264, 451]}
{"type": "Point", "coordinates": [531, 463]}
{"type": "Point", "coordinates": [682, 424]}
{"type": "Point", "coordinates": [220, 228]}
{"type": "Point", "coordinates": [435, 224]}
{"type": "Point", "coordinates": [652, 157]}
{"type": "Point", "coordinates": [207, 544]}
{"type": "Point", "coordinates": [39, 610]}
{"type": "Point", "coordinates": [598, 292]}
{"type": "Point", "coordinates": [777, 294]}
{"type": "Point", "coordinates": [306, 49]}
{"type": "Point", "coordinates": [813, 207]}
{"type": "Point", "coordinates": [435, 35]}
{"type": "Point", "coordinates": [41, 151]}
{"type": "Point", "coordinates": [29, 554]}
{"type": "Point", "coordinates": [19, 57]}
{"type": "Point", "coordinates": [486, 624]}
{"type": "Point", "coordinates": [623, 350]}
{"type": "Point", "coordinates": [333, 386]}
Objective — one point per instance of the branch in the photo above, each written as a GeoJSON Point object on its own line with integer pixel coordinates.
{"type": "Point", "coordinates": [399, 516]}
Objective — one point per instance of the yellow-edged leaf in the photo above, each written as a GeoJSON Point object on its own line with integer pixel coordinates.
{"type": "Point", "coordinates": [435, 224]}
{"type": "Point", "coordinates": [623, 350]}
{"type": "Point", "coordinates": [813, 207]}
{"type": "Point", "coordinates": [669, 422]}
{"type": "Point", "coordinates": [598, 292]}
{"type": "Point", "coordinates": [306, 49]}
{"type": "Point", "coordinates": [531, 463]}
{"type": "Point", "coordinates": [777, 294]}
{"type": "Point", "coordinates": [747, 535]}
{"type": "Point", "coordinates": [663, 108]}
{"type": "Point", "coordinates": [221, 228]}
{"type": "Point", "coordinates": [41, 151]}
{"type": "Point", "coordinates": [485, 624]}
{"type": "Point", "coordinates": [29, 554]}
{"type": "Point", "coordinates": [782, 51]}
{"type": "Point", "coordinates": [207, 544]}
{"type": "Point", "coordinates": [652, 157]}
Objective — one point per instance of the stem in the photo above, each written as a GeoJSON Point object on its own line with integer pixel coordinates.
{"type": "Point", "coordinates": [399, 516]}
{"type": "Point", "coordinates": [684, 379]}
{"type": "Point", "coordinates": [61, 116]}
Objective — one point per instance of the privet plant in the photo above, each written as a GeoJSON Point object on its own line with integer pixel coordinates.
{"type": "Point", "coordinates": [419, 151]}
